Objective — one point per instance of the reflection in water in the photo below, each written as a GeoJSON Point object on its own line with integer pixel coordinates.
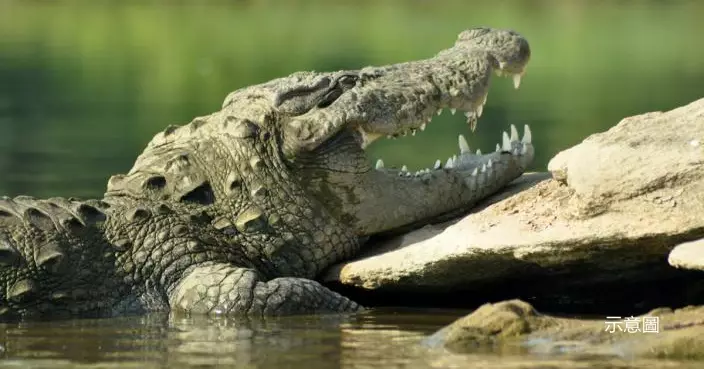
{"type": "Point", "coordinates": [389, 339]}
{"type": "Point", "coordinates": [162, 340]}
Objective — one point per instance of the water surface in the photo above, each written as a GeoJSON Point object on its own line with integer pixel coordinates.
{"type": "Point", "coordinates": [381, 339]}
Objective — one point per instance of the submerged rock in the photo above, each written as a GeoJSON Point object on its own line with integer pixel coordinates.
{"type": "Point", "coordinates": [515, 326]}
{"type": "Point", "coordinates": [607, 215]}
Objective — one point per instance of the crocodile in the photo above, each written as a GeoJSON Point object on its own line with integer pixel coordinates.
{"type": "Point", "coordinates": [237, 212]}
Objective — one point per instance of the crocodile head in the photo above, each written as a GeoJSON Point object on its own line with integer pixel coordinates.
{"type": "Point", "coordinates": [325, 120]}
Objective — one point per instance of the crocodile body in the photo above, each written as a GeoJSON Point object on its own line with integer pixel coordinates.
{"type": "Point", "coordinates": [237, 212]}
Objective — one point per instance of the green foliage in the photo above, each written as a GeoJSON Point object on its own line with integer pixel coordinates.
{"type": "Point", "coordinates": [84, 85]}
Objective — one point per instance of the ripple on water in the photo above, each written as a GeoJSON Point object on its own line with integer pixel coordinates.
{"type": "Point", "coordinates": [379, 339]}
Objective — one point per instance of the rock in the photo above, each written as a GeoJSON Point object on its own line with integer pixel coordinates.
{"type": "Point", "coordinates": [615, 206]}
{"type": "Point", "coordinates": [689, 255]}
{"type": "Point", "coordinates": [516, 327]}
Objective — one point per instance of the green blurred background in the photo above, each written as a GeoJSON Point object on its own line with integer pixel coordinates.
{"type": "Point", "coordinates": [85, 85]}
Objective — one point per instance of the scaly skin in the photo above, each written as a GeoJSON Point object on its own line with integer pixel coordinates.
{"type": "Point", "coordinates": [238, 211]}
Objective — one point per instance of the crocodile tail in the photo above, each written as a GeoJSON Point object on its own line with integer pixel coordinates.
{"type": "Point", "coordinates": [34, 232]}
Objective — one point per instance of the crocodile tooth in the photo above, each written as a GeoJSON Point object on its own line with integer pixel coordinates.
{"type": "Point", "coordinates": [483, 168]}
{"type": "Point", "coordinates": [464, 146]}
{"type": "Point", "coordinates": [422, 127]}
{"type": "Point", "coordinates": [479, 151]}
{"type": "Point", "coordinates": [514, 133]}
{"type": "Point", "coordinates": [379, 164]}
{"type": "Point", "coordinates": [502, 65]}
{"type": "Point", "coordinates": [449, 163]}
{"type": "Point", "coordinates": [527, 135]}
{"type": "Point", "coordinates": [517, 80]}
{"type": "Point", "coordinates": [453, 111]}
{"type": "Point", "coordinates": [437, 164]}
{"type": "Point", "coordinates": [413, 132]}
{"type": "Point", "coordinates": [438, 112]}
{"type": "Point", "coordinates": [475, 171]}
{"type": "Point", "coordinates": [473, 125]}
{"type": "Point", "coordinates": [524, 150]}
{"type": "Point", "coordinates": [484, 99]}
{"type": "Point", "coordinates": [405, 133]}
{"type": "Point", "coordinates": [454, 158]}
{"type": "Point", "coordinates": [506, 146]}
{"type": "Point", "coordinates": [404, 168]}
{"type": "Point", "coordinates": [498, 148]}
{"type": "Point", "coordinates": [471, 120]}
{"type": "Point", "coordinates": [489, 163]}
{"type": "Point", "coordinates": [480, 110]}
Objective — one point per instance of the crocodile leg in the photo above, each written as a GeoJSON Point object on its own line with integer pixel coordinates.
{"type": "Point", "coordinates": [219, 288]}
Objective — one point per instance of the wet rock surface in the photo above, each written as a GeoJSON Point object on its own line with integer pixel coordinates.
{"type": "Point", "coordinates": [516, 327]}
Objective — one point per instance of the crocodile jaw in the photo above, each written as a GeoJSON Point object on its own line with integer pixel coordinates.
{"type": "Point", "coordinates": [400, 99]}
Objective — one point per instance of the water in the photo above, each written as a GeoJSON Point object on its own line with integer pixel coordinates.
{"type": "Point", "coordinates": [85, 85]}
{"type": "Point", "coordinates": [381, 339]}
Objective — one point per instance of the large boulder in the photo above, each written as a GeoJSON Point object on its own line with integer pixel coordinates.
{"type": "Point", "coordinates": [610, 211]}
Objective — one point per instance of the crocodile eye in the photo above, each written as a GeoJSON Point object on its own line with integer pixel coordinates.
{"type": "Point", "coordinates": [331, 96]}
{"type": "Point", "coordinates": [341, 84]}
{"type": "Point", "coordinates": [347, 81]}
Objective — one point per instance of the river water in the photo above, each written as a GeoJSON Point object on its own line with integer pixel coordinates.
{"type": "Point", "coordinates": [386, 338]}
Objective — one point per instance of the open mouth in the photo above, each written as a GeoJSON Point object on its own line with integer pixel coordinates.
{"type": "Point", "coordinates": [512, 147]}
